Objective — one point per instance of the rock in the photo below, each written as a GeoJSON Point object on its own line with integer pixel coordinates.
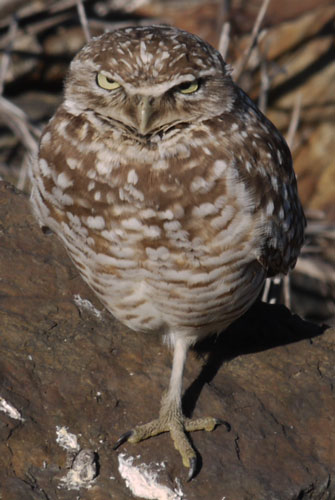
{"type": "Point", "coordinates": [69, 369]}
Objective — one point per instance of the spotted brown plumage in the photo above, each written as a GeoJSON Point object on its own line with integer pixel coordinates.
{"type": "Point", "coordinates": [174, 196]}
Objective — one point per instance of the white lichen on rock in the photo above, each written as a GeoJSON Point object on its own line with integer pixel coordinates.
{"type": "Point", "coordinates": [81, 463]}
{"type": "Point", "coordinates": [86, 305]}
{"type": "Point", "coordinates": [66, 439]}
{"type": "Point", "coordinates": [10, 410]}
{"type": "Point", "coordinates": [142, 480]}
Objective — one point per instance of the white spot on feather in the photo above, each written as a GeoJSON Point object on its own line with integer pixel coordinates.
{"type": "Point", "coordinates": [206, 151]}
{"type": "Point", "coordinates": [151, 232]}
{"type": "Point", "coordinates": [166, 214]}
{"type": "Point", "coordinates": [132, 223]}
{"type": "Point", "coordinates": [72, 163]}
{"type": "Point", "coordinates": [248, 166]}
{"type": "Point", "coordinates": [160, 165]}
{"type": "Point", "coordinates": [219, 167]}
{"type": "Point", "coordinates": [107, 260]}
{"type": "Point", "coordinates": [279, 156]}
{"type": "Point", "coordinates": [145, 55]}
{"type": "Point", "coordinates": [204, 209]}
{"type": "Point", "coordinates": [270, 208]}
{"type": "Point", "coordinates": [61, 197]}
{"type": "Point", "coordinates": [44, 167]}
{"type": "Point", "coordinates": [200, 185]}
{"type": "Point", "coordinates": [172, 226]}
{"type": "Point", "coordinates": [164, 55]}
{"type": "Point", "coordinates": [64, 181]}
{"type": "Point", "coordinates": [226, 216]}
{"type": "Point", "coordinates": [45, 138]}
{"type": "Point", "coordinates": [96, 222]}
{"type": "Point", "coordinates": [147, 213]}
{"type": "Point", "coordinates": [132, 177]}
{"type": "Point", "coordinates": [161, 253]}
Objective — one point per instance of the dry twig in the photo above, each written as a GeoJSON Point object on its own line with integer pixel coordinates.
{"type": "Point", "coordinates": [18, 122]}
{"type": "Point", "coordinates": [265, 86]}
{"type": "Point", "coordinates": [83, 20]}
{"type": "Point", "coordinates": [12, 30]}
{"type": "Point", "coordinates": [292, 129]}
{"type": "Point", "coordinates": [37, 27]}
{"type": "Point", "coordinates": [224, 40]}
{"type": "Point", "coordinates": [294, 122]}
{"type": "Point", "coordinates": [241, 64]}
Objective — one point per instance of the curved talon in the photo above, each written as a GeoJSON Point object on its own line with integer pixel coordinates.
{"type": "Point", "coordinates": [193, 469]}
{"type": "Point", "coordinates": [122, 439]}
{"type": "Point", "coordinates": [223, 422]}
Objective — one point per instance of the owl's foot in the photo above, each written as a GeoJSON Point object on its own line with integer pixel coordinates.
{"type": "Point", "coordinates": [175, 423]}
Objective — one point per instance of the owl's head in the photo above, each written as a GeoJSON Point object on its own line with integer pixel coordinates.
{"type": "Point", "coordinates": [149, 79]}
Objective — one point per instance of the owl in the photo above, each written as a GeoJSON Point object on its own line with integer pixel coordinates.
{"type": "Point", "coordinates": [173, 194]}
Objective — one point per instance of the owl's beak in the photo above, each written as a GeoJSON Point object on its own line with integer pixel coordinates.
{"type": "Point", "coordinates": [144, 113]}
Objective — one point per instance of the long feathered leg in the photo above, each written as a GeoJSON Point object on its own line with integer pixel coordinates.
{"type": "Point", "coordinates": [171, 418]}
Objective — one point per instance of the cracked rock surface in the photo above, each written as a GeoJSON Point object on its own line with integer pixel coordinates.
{"type": "Point", "coordinates": [66, 364]}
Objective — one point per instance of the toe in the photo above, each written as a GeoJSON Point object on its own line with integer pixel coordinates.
{"type": "Point", "coordinates": [145, 431]}
{"type": "Point", "coordinates": [201, 424]}
{"type": "Point", "coordinates": [182, 444]}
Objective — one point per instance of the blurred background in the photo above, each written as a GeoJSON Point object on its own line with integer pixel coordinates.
{"type": "Point", "coordinates": [282, 53]}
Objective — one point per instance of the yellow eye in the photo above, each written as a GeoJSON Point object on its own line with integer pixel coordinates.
{"type": "Point", "coordinates": [106, 83]}
{"type": "Point", "coordinates": [188, 87]}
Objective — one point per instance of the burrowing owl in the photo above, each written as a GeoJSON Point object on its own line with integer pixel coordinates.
{"type": "Point", "coordinates": [174, 196]}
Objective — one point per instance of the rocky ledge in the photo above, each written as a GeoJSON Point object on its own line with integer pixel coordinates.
{"type": "Point", "coordinates": [73, 379]}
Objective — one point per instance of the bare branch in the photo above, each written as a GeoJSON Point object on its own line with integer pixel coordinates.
{"type": "Point", "coordinates": [62, 5]}
{"type": "Point", "coordinates": [17, 121]}
{"type": "Point", "coordinates": [224, 40]}
{"type": "Point", "coordinates": [5, 60]}
{"type": "Point", "coordinates": [24, 170]}
{"type": "Point", "coordinates": [290, 139]}
{"type": "Point", "coordinates": [312, 268]}
{"type": "Point", "coordinates": [266, 290]}
{"type": "Point", "coordinates": [294, 121]}
{"type": "Point", "coordinates": [83, 20]}
{"type": "Point", "coordinates": [9, 7]}
{"type": "Point", "coordinates": [265, 85]}
{"type": "Point", "coordinates": [287, 291]}
{"type": "Point", "coordinates": [34, 28]}
{"type": "Point", "coordinates": [253, 39]}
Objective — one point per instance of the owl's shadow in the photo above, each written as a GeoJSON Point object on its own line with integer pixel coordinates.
{"type": "Point", "coordinates": [263, 327]}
